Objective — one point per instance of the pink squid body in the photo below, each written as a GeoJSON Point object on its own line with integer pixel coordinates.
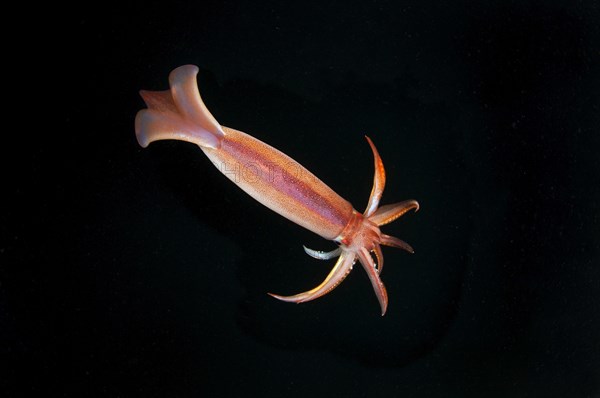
{"type": "Point", "coordinates": [280, 183]}
{"type": "Point", "coordinates": [277, 181]}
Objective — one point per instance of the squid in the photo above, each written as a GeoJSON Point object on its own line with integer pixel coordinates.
{"type": "Point", "coordinates": [278, 182]}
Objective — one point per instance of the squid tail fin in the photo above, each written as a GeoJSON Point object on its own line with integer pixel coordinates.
{"type": "Point", "coordinates": [178, 113]}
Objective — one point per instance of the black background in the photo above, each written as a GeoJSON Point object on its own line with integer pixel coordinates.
{"type": "Point", "coordinates": [144, 272]}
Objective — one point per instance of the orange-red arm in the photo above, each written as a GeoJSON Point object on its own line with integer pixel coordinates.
{"type": "Point", "coordinates": [277, 181]}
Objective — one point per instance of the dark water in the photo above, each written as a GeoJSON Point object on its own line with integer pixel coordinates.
{"type": "Point", "coordinates": [144, 272]}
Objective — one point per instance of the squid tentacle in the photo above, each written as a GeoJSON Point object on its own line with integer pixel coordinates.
{"type": "Point", "coordinates": [378, 181]}
{"type": "Point", "coordinates": [388, 213]}
{"type": "Point", "coordinates": [367, 262]}
{"type": "Point", "coordinates": [321, 255]}
{"type": "Point", "coordinates": [392, 241]}
{"type": "Point", "coordinates": [339, 272]}
{"type": "Point", "coordinates": [379, 256]}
